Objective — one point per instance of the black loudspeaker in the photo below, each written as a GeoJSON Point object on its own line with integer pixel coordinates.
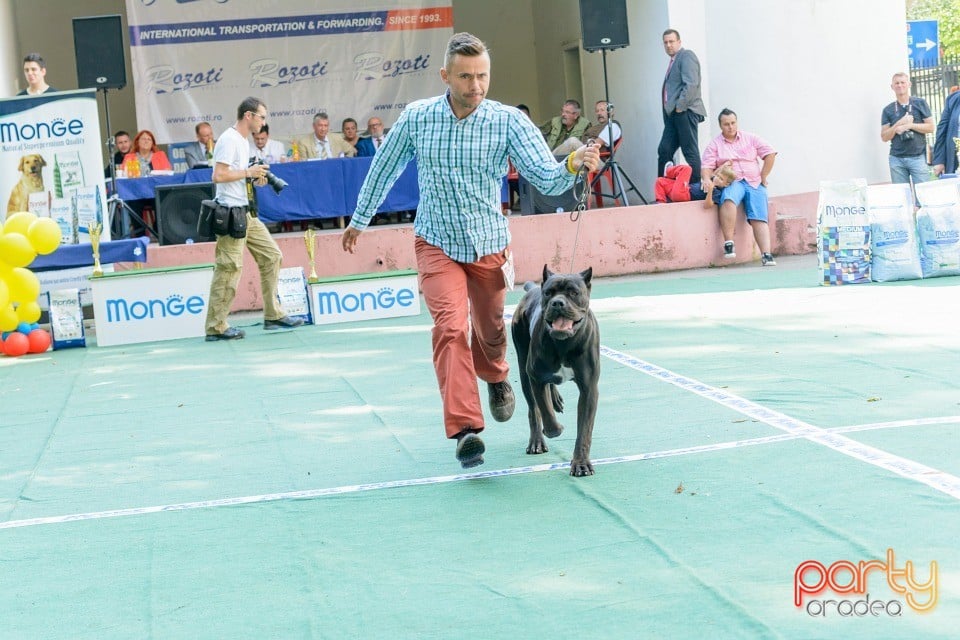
{"type": "Point", "coordinates": [178, 208]}
{"type": "Point", "coordinates": [603, 24]}
{"type": "Point", "coordinates": [98, 43]}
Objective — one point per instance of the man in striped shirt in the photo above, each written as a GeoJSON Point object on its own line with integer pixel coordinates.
{"type": "Point", "coordinates": [745, 152]}
{"type": "Point", "coordinates": [461, 142]}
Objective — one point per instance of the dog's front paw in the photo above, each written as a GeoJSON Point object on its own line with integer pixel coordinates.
{"type": "Point", "coordinates": [580, 468]}
{"type": "Point", "coordinates": [552, 431]}
{"type": "Point", "coordinates": [537, 446]}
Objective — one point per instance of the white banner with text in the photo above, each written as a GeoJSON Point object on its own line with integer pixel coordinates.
{"type": "Point", "coordinates": [197, 61]}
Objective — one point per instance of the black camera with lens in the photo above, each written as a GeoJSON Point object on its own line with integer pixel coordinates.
{"type": "Point", "coordinates": [277, 184]}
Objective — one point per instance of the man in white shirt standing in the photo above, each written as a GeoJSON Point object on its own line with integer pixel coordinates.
{"type": "Point", "coordinates": [263, 148]}
{"type": "Point", "coordinates": [234, 181]}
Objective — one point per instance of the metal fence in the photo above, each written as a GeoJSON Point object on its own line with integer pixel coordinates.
{"type": "Point", "coordinates": [934, 84]}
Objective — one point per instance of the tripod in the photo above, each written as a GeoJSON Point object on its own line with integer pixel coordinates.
{"type": "Point", "coordinates": [611, 165]}
{"type": "Point", "coordinates": [119, 212]}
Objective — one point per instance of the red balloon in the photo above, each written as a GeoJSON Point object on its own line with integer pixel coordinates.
{"type": "Point", "coordinates": [16, 344]}
{"type": "Point", "coordinates": [39, 340]}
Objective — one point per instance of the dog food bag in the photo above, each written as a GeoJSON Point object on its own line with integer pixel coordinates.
{"type": "Point", "coordinates": [89, 208]}
{"type": "Point", "coordinates": [293, 294]}
{"type": "Point", "coordinates": [843, 232]}
{"type": "Point", "coordinates": [61, 211]}
{"type": "Point", "coordinates": [66, 319]}
{"type": "Point", "coordinates": [39, 204]}
{"type": "Point", "coordinates": [894, 250]}
{"type": "Point", "coordinates": [938, 227]}
{"type": "Point", "coordinates": [67, 172]}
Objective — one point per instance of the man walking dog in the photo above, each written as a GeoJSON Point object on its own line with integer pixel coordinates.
{"type": "Point", "coordinates": [461, 142]}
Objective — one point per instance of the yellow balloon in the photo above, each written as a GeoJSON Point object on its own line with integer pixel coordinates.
{"type": "Point", "coordinates": [19, 222]}
{"type": "Point", "coordinates": [28, 312]}
{"type": "Point", "coordinates": [44, 234]}
{"type": "Point", "coordinates": [16, 250]}
{"type": "Point", "coordinates": [23, 284]}
{"type": "Point", "coordinates": [8, 318]}
{"type": "Point", "coordinates": [4, 293]}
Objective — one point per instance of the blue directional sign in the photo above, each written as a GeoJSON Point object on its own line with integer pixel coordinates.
{"type": "Point", "coordinates": [923, 42]}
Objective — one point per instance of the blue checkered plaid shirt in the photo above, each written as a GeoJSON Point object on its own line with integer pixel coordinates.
{"type": "Point", "coordinates": [460, 164]}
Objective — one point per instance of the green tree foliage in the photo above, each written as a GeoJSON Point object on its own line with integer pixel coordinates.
{"type": "Point", "coordinates": [947, 13]}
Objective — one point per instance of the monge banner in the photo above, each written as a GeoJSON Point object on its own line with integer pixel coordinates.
{"type": "Point", "coordinates": [196, 60]}
{"type": "Point", "coordinates": [50, 160]}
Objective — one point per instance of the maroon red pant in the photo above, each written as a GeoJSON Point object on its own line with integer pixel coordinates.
{"type": "Point", "coordinates": [469, 338]}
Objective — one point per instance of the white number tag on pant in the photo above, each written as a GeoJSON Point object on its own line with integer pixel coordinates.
{"type": "Point", "coordinates": [507, 268]}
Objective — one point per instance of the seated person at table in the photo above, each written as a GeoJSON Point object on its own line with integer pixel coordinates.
{"type": "Point", "coordinates": [675, 185]}
{"type": "Point", "coordinates": [200, 153]}
{"type": "Point", "coordinates": [349, 133]}
{"type": "Point", "coordinates": [263, 148]}
{"type": "Point", "coordinates": [123, 144]}
{"type": "Point", "coordinates": [368, 145]}
{"type": "Point", "coordinates": [145, 151]}
{"type": "Point", "coordinates": [320, 145]}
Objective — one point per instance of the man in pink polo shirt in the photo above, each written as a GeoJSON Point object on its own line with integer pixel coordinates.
{"type": "Point", "coordinates": [752, 160]}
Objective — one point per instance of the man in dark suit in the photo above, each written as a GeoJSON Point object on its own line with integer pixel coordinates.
{"type": "Point", "coordinates": [200, 153]}
{"type": "Point", "coordinates": [368, 145]}
{"type": "Point", "coordinates": [948, 130]}
{"type": "Point", "coordinates": [683, 109]}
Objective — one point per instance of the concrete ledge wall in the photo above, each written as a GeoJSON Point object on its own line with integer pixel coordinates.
{"type": "Point", "coordinates": [614, 241]}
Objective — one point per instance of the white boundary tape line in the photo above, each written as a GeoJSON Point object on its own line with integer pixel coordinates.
{"type": "Point", "coordinates": [396, 484]}
{"type": "Point", "coordinates": [939, 480]}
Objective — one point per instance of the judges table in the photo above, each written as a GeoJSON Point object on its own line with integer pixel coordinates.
{"type": "Point", "coordinates": [317, 189]}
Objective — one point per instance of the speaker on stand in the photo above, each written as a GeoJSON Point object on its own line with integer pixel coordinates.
{"type": "Point", "coordinates": [603, 25]}
{"type": "Point", "coordinates": [178, 208]}
{"type": "Point", "coordinates": [98, 44]}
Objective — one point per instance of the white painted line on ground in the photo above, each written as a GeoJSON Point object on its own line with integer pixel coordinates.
{"type": "Point", "coordinates": [493, 473]}
{"type": "Point", "coordinates": [934, 478]}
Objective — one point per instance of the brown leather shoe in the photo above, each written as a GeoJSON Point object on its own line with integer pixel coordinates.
{"type": "Point", "coordinates": [470, 449]}
{"type": "Point", "coordinates": [502, 400]}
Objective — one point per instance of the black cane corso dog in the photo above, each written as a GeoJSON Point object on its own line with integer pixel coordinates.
{"type": "Point", "coordinates": [557, 339]}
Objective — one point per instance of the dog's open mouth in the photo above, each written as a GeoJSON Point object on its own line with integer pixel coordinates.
{"type": "Point", "coordinates": [563, 327]}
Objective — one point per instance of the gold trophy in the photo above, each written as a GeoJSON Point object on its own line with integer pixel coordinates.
{"type": "Point", "coordinates": [95, 230]}
{"type": "Point", "coordinates": [309, 239]}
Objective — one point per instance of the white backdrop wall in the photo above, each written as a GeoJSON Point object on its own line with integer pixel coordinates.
{"type": "Point", "coordinates": [810, 75]}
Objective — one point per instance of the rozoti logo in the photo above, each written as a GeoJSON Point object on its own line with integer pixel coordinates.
{"type": "Point", "coordinates": [331, 302]}
{"type": "Point", "coordinates": [373, 65]}
{"type": "Point", "coordinates": [166, 79]}
{"type": "Point", "coordinates": [844, 577]}
{"type": "Point", "coordinates": [124, 310]}
{"type": "Point", "coordinates": [268, 72]}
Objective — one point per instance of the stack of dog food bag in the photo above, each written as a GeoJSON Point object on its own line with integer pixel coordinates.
{"type": "Point", "coordinates": [872, 233]}
{"type": "Point", "coordinates": [843, 246]}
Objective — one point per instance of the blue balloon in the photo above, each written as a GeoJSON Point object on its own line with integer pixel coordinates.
{"type": "Point", "coordinates": [4, 335]}
{"type": "Point", "coordinates": [24, 328]}
{"type": "Point", "coordinates": [34, 326]}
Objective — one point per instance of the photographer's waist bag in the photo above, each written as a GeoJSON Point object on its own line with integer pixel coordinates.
{"type": "Point", "coordinates": [220, 220]}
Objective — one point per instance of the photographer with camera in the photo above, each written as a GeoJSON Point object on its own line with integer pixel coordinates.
{"type": "Point", "coordinates": [904, 123]}
{"type": "Point", "coordinates": [236, 225]}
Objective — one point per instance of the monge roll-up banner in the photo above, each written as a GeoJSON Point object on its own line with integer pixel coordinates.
{"type": "Point", "coordinates": [196, 60]}
{"type": "Point", "coordinates": [50, 160]}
